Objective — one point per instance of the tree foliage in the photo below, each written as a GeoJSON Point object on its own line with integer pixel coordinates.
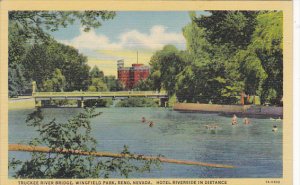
{"type": "Point", "coordinates": [165, 65]}
{"type": "Point", "coordinates": [112, 83]}
{"type": "Point", "coordinates": [262, 60]}
{"type": "Point", "coordinates": [17, 48]}
{"type": "Point", "coordinates": [210, 74]}
{"type": "Point", "coordinates": [42, 60]}
{"type": "Point", "coordinates": [233, 28]}
{"type": "Point", "coordinates": [96, 73]}
{"type": "Point", "coordinates": [138, 102]}
{"type": "Point", "coordinates": [97, 85]}
{"type": "Point", "coordinates": [34, 23]}
{"type": "Point", "coordinates": [268, 45]}
{"type": "Point", "coordinates": [56, 83]}
{"type": "Point", "coordinates": [228, 52]}
{"type": "Point", "coordinates": [143, 85]}
{"type": "Point", "coordinates": [34, 54]}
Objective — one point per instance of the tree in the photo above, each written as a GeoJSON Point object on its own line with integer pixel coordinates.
{"type": "Point", "coordinates": [17, 48]}
{"type": "Point", "coordinates": [112, 83]}
{"type": "Point", "coordinates": [165, 65]}
{"type": "Point", "coordinates": [56, 83]}
{"type": "Point", "coordinates": [97, 85]}
{"type": "Point", "coordinates": [196, 41]}
{"type": "Point", "coordinates": [267, 44]}
{"type": "Point", "coordinates": [18, 84]}
{"type": "Point", "coordinates": [190, 81]}
{"type": "Point", "coordinates": [261, 63]}
{"type": "Point", "coordinates": [74, 135]}
{"type": "Point", "coordinates": [41, 60]}
{"type": "Point", "coordinates": [143, 85]}
{"type": "Point", "coordinates": [251, 71]}
{"type": "Point", "coordinates": [96, 73]}
{"type": "Point", "coordinates": [210, 74]}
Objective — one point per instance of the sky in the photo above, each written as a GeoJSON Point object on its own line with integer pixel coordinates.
{"type": "Point", "coordinates": [123, 36]}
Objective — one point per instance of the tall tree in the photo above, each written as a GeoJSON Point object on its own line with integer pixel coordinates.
{"type": "Point", "coordinates": [42, 60]}
{"type": "Point", "coordinates": [17, 48]}
{"type": "Point", "coordinates": [267, 44]}
{"type": "Point", "coordinates": [56, 83]}
{"type": "Point", "coordinates": [165, 65]}
{"type": "Point", "coordinates": [261, 63]}
{"type": "Point", "coordinates": [190, 81]}
{"type": "Point", "coordinates": [211, 74]}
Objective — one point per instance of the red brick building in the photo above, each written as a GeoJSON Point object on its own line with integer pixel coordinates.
{"type": "Point", "coordinates": [130, 76]}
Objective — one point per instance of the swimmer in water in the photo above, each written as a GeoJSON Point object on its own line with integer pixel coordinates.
{"type": "Point", "coordinates": [234, 120]}
{"type": "Point", "coordinates": [274, 129]}
{"type": "Point", "coordinates": [143, 119]}
{"type": "Point", "coordinates": [246, 121]}
{"type": "Point", "coordinates": [151, 124]}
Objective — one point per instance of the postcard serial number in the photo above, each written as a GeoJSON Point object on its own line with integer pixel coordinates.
{"type": "Point", "coordinates": [273, 182]}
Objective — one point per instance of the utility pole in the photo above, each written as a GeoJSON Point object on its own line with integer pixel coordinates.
{"type": "Point", "coordinates": [137, 57]}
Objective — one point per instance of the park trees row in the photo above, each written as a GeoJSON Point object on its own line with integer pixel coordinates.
{"type": "Point", "coordinates": [35, 56]}
{"type": "Point", "coordinates": [100, 82]}
{"type": "Point", "coordinates": [228, 52]}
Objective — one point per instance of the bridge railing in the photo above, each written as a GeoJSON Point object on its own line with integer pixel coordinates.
{"type": "Point", "coordinates": [116, 93]}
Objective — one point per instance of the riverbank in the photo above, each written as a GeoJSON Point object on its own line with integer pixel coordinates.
{"type": "Point", "coordinates": [246, 110]}
{"type": "Point", "coordinates": [29, 103]}
{"type": "Point", "coordinates": [242, 110]}
{"type": "Point", "coordinates": [26, 102]}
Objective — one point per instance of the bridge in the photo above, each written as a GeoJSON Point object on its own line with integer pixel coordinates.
{"type": "Point", "coordinates": [80, 96]}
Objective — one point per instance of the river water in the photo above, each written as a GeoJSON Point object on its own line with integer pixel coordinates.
{"type": "Point", "coordinates": [254, 149]}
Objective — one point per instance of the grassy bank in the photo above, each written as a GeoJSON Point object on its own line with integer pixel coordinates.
{"type": "Point", "coordinates": [21, 104]}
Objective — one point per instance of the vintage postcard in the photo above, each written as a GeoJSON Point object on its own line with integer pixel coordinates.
{"type": "Point", "coordinates": [146, 92]}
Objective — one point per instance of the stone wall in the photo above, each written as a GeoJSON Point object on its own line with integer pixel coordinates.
{"type": "Point", "coordinates": [243, 109]}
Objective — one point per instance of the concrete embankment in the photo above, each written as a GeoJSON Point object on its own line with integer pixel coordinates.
{"type": "Point", "coordinates": [230, 109]}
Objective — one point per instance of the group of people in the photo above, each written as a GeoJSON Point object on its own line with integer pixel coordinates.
{"type": "Point", "coordinates": [151, 123]}
{"type": "Point", "coordinates": [235, 122]}
{"type": "Point", "coordinates": [247, 122]}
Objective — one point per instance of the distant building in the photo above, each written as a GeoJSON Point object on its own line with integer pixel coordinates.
{"type": "Point", "coordinates": [130, 76]}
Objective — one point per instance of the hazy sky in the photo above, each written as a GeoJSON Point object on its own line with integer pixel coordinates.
{"type": "Point", "coordinates": [123, 36]}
